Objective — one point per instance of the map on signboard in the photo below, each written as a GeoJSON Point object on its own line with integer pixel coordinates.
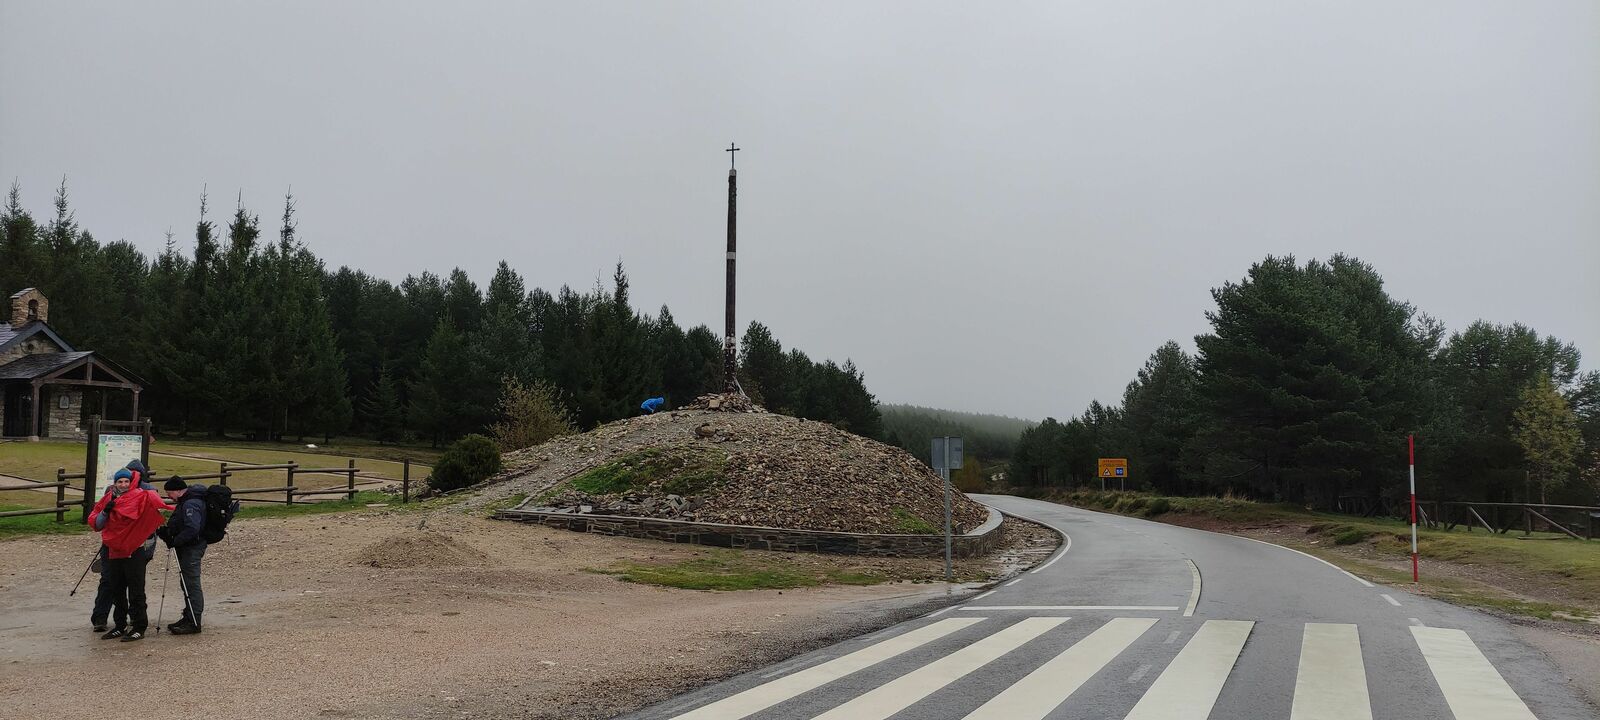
{"type": "Point", "coordinates": [116, 450]}
{"type": "Point", "coordinates": [1113, 467]}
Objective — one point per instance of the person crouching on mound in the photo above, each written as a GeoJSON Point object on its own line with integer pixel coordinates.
{"type": "Point", "coordinates": [126, 517]}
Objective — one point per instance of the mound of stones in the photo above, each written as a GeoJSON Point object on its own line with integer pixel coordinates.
{"type": "Point", "coordinates": [733, 463]}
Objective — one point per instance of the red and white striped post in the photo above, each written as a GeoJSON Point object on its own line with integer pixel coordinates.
{"type": "Point", "coordinates": [1411, 447]}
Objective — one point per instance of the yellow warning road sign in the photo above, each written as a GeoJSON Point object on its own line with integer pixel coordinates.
{"type": "Point", "coordinates": [1113, 467]}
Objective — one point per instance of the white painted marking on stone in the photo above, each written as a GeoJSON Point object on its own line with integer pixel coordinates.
{"type": "Point", "coordinates": [1151, 608]}
{"type": "Point", "coordinates": [1034, 696]}
{"type": "Point", "coordinates": [1472, 688]}
{"type": "Point", "coordinates": [1172, 637]}
{"type": "Point", "coordinates": [1013, 582]}
{"type": "Point", "coordinates": [1194, 594]}
{"type": "Point", "coordinates": [1189, 687]}
{"type": "Point", "coordinates": [1391, 600]}
{"type": "Point", "coordinates": [900, 693]}
{"type": "Point", "coordinates": [1140, 673]}
{"type": "Point", "coordinates": [1064, 550]}
{"type": "Point", "coordinates": [1309, 555]}
{"type": "Point", "coordinates": [1332, 681]}
{"type": "Point", "coordinates": [771, 693]}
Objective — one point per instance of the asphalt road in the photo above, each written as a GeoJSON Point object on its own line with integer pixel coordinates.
{"type": "Point", "coordinates": [1143, 621]}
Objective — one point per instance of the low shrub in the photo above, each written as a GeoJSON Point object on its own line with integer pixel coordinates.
{"type": "Point", "coordinates": [1351, 536]}
{"type": "Point", "coordinates": [1157, 506]}
{"type": "Point", "coordinates": [467, 462]}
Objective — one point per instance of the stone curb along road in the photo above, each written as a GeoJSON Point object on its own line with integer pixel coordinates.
{"type": "Point", "coordinates": [1139, 620]}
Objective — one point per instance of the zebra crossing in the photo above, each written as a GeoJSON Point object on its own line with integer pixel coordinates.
{"type": "Point", "coordinates": [1330, 680]}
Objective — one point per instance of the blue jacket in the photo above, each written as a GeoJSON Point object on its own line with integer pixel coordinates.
{"type": "Point", "coordinates": [184, 526]}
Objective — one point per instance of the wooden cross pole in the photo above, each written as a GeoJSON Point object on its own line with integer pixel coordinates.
{"type": "Point", "coordinates": [729, 344]}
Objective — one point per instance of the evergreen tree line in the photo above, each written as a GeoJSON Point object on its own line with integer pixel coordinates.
{"type": "Point", "coordinates": [991, 437]}
{"type": "Point", "coordinates": [1306, 388]}
{"type": "Point", "coordinates": [252, 336]}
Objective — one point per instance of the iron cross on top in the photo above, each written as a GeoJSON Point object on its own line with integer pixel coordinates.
{"type": "Point", "coordinates": [730, 151]}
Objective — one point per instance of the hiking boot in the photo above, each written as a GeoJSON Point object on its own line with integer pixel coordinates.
{"type": "Point", "coordinates": [183, 627]}
{"type": "Point", "coordinates": [100, 627]}
{"type": "Point", "coordinates": [132, 636]}
{"type": "Point", "coordinates": [114, 634]}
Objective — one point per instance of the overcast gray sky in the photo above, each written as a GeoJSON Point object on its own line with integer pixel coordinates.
{"type": "Point", "coordinates": [993, 207]}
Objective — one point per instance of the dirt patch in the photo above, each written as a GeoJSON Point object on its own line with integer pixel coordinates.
{"type": "Point", "coordinates": [420, 549]}
{"type": "Point", "coordinates": [303, 624]}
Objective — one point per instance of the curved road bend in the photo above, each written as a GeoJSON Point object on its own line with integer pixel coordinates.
{"type": "Point", "coordinates": [1138, 620]}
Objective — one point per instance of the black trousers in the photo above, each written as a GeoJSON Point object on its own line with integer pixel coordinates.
{"type": "Point", "coordinates": [127, 590]}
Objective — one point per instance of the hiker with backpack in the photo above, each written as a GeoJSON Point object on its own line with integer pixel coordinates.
{"type": "Point", "coordinates": [200, 518]}
{"type": "Point", "coordinates": [139, 476]}
{"type": "Point", "coordinates": [126, 517]}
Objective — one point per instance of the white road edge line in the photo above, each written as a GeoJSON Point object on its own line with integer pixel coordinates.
{"type": "Point", "coordinates": [1063, 553]}
{"type": "Point", "coordinates": [1194, 596]}
{"type": "Point", "coordinates": [987, 594]}
{"type": "Point", "coordinates": [1391, 600]}
{"type": "Point", "coordinates": [978, 608]}
{"type": "Point", "coordinates": [1309, 555]}
{"type": "Point", "coordinates": [937, 613]}
{"type": "Point", "coordinates": [1013, 582]}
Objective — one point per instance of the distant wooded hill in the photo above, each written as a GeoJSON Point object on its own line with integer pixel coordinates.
{"type": "Point", "coordinates": [990, 437]}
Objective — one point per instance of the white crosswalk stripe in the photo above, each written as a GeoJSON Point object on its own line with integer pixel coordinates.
{"type": "Point", "coordinates": [1330, 680]}
{"type": "Point", "coordinates": [764, 696]}
{"type": "Point", "coordinates": [900, 693]}
{"type": "Point", "coordinates": [1188, 688]}
{"type": "Point", "coordinates": [1472, 688]}
{"type": "Point", "coordinates": [1042, 690]}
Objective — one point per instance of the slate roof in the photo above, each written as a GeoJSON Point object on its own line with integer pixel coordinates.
{"type": "Point", "coordinates": [10, 335]}
{"type": "Point", "coordinates": [29, 367]}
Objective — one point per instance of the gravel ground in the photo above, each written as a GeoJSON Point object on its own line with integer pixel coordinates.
{"type": "Point", "coordinates": [368, 615]}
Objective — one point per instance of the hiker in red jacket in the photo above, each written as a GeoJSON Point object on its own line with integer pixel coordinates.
{"type": "Point", "coordinates": [126, 517]}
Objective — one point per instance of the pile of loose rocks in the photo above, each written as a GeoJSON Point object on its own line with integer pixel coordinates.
{"type": "Point", "coordinates": [725, 402]}
{"type": "Point", "coordinates": [766, 470]}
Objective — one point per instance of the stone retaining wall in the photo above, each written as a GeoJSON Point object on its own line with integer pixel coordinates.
{"type": "Point", "coordinates": [978, 542]}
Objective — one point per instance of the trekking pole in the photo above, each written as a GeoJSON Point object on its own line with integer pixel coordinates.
{"type": "Point", "coordinates": [85, 574]}
{"type": "Point", "coordinates": [165, 575]}
{"type": "Point", "coordinates": [184, 586]}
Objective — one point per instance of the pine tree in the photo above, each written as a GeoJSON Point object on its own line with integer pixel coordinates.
{"type": "Point", "coordinates": [386, 416]}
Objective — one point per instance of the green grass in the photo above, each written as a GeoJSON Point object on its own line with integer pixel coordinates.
{"type": "Point", "coordinates": [504, 504]}
{"type": "Point", "coordinates": [676, 471]}
{"type": "Point", "coordinates": [359, 502]}
{"type": "Point", "coordinates": [733, 570]}
{"type": "Point", "coordinates": [39, 461]}
{"type": "Point", "coordinates": [906, 523]}
{"type": "Point", "coordinates": [40, 524]}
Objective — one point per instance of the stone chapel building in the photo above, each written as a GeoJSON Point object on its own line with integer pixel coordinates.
{"type": "Point", "coordinates": [48, 388]}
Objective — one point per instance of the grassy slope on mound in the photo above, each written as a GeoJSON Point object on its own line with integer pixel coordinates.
{"type": "Point", "coordinates": [673, 471]}
{"type": "Point", "coordinates": [1363, 544]}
